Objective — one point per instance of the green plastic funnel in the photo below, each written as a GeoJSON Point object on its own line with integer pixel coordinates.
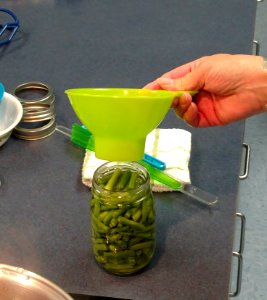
{"type": "Point", "coordinates": [119, 118]}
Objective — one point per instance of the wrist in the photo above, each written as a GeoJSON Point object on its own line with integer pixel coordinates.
{"type": "Point", "coordinates": [260, 83]}
{"type": "Point", "coordinates": [265, 71]}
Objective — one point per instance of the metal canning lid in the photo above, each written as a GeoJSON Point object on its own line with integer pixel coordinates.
{"type": "Point", "coordinates": [38, 120]}
{"type": "Point", "coordinates": [17, 283]}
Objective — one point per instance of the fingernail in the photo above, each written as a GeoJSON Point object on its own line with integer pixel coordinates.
{"type": "Point", "coordinates": [185, 98]}
{"type": "Point", "coordinates": [165, 81]}
{"type": "Point", "coordinates": [175, 102]}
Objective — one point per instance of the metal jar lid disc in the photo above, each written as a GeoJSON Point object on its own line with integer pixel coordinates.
{"type": "Point", "coordinates": [17, 283]}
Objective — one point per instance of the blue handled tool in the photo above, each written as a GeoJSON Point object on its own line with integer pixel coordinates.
{"type": "Point", "coordinates": [79, 136]}
{"type": "Point", "coordinates": [9, 29]}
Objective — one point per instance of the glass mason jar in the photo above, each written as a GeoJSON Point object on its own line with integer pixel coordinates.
{"type": "Point", "coordinates": [122, 217]}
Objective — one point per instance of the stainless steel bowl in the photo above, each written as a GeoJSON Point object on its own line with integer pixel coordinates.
{"type": "Point", "coordinates": [19, 284]}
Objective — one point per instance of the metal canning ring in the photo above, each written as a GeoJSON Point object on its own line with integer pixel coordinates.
{"type": "Point", "coordinates": [49, 97]}
{"type": "Point", "coordinates": [38, 120]}
{"type": "Point", "coordinates": [37, 112]}
{"type": "Point", "coordinates": [46, 129]}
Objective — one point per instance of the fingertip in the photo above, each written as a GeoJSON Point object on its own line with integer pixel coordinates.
{"type": "Point", "coordinates": [175, 102]}
{"type": "Point", "coordinates": [191, 115]}
{"type": "Point", "coordinates": [185, 99]}
{"type": "Point", "coordinates": [166, 83]}
{"type": "Point", "coordinates": [181, 104]}
{"type": "Point", "coordinates": [152, 86]}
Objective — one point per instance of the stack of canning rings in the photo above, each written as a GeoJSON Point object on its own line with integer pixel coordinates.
{"type": "Point", "coordinates": [38, 119]}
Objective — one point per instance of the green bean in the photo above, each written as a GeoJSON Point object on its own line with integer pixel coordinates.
{"type": "Point", "coordinates": [146, 235]}
{"type": "Point", "coordinates": [114, 248]}
{"type": "Point", "coordinates": [151, 216]}
{"type": "Point", "coordinates": [148, 252]}
{"type": "Point", "coordinates": [102, 228]}
{"type": "Point", "coordinates": [132, 182]}
{"type": "Point", "coordinates": [114, 238]}
{"type": "Point", "coordinates": [123, 268]}
{"type": "Point", "coordinates": [129, 213]}
{"type": "Point", "coordinates": [120, 230]}
{"type": "Point", "coordinates": [93, 202]}
{"type": "Point", "coordinates": [130, 223]}
{"type": "Point", "coordinates": [125, 233]}
{"type": "Point", "coordinates": [113, 180]}
{"type": "Point", "coordinates": [123, 180]}
{"type": "Point", "coordinates": [125, 237]}
{"type": "Point", "coordinates": [104, 179]}
{"type": "Point", "coordinates": [102, 215]}
{"type": "Point", "coordinates": [113, 222]}
{"type": "Point", "coordinates": [150, 227]}
{"type": "Point", "coordinates": [118, 212]}
{"type": "Point", "coordinates": [100, 258]}
{"type": "Point", "coordinates": [100, 247]}
{"type": "Point", "coordinates": [135, 240]}
{"type": "Point", "coordinates": [108, 207]}
{"type": "Point", "coordinates": [119, 255]}
{"type": "Point", "coordinates": [99, 240]}
{"type": "Point", "coordinates": [145, 211]}
{"type": "Point", "coordinates": [96, 210]}
{"type": "Point", "coordinates": [137, 215]}
{"type": "Point", "coordinates": [95, 232]}
{"type": "Point", "coordinates": [143, 245]}
{"type": "Point", "coordinates": [121, 245]}
{"type": "Point", "coordinates": [126, 268]}
{"type": "Point", "coordinates": [143, 260]}
{"type": "Point", "coordinates": [108, 218]}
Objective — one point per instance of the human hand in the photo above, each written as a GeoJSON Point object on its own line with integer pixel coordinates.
{"type": "Point", "coordinates": [230, 88]}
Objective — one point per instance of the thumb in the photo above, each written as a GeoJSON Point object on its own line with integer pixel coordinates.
{"type": "Point", "coordinates": [191, 81]}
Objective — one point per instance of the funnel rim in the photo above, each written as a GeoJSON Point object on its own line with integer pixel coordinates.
{"type": "Point", "coordinates": [132, 92]}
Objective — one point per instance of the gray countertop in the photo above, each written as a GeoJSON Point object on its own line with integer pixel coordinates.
{"type": "Point", "coordinates": [44, 216]}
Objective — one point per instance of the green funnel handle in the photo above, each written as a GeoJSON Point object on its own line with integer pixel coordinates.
{"type": "Point", "coordinates": [199, 195]}
{"type": "Point", "coordinates": [180, 93]}
{"type": "Point", "coordinates": [162, 177]}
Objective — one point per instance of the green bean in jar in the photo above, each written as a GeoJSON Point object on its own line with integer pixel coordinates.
{"type": "Point", "coordinates": [122, 217]}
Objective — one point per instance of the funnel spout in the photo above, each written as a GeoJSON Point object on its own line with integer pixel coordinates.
{"type": "Point", "coordinates": [128, 148]}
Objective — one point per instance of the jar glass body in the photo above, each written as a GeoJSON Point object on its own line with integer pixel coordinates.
{"type": "Point", "coordinates": [122, 217]}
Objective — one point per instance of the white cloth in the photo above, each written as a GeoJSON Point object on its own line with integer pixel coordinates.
{"type": "Point", "coordinates": [172, 146]}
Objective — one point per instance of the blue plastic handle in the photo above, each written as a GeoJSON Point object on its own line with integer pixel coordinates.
{"type": "Point", "coordinates": [2, 90]}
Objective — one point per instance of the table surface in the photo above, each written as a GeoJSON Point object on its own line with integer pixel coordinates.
{"type": "Point", "coordinates": [44, 216]}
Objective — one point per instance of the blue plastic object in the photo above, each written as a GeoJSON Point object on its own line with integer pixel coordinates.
{"type": "Point", "coordinates": [10, 27]}
{"type": "Point", "coordinates": [153, 161]}
{"type": "Point", "coordinates": [2, 90]}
